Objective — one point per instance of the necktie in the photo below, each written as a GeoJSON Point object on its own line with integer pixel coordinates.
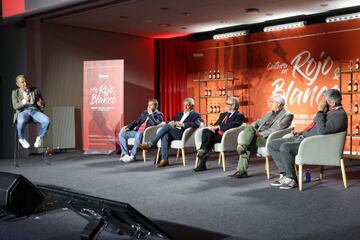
{"type": "Point", "coordinates": [225, 121]}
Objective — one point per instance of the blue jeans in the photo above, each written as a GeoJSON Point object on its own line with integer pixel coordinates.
{"type": "Point", "coordinates": [166, 134]}
{"type": "Point", "coordinates": [32, 114]}
{"type": "Point", "coordinates": [124, 136]}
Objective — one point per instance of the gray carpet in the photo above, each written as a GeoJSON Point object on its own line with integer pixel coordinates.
{"type": "Point", "coordinates": [249, 208]}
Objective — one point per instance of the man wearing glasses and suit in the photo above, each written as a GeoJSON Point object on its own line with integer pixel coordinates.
{"type": "Point", "coordinates": [232, 118]}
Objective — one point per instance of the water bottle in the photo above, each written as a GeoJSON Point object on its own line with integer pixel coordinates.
{"type": "Point", "coordinates": [307, 176]}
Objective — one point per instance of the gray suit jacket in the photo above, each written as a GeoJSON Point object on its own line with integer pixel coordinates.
{"type": "Point", "coordinates": [17, 98]}
{"type": "Point", "coordinates": [281, 121]}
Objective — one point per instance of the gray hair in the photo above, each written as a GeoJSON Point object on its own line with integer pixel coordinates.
{"type": "Point", "coordinates": [191, 101]}
{"type": "Point", "coordinates": [333, 94]}
{"type": "Point", "coordinates": [235, 101]}
{"type": "Point", "coordinates": [278, 98]}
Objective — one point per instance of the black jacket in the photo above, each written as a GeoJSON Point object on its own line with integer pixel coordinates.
{"type": "Point", "coordinates": [236, 120]}
{"type": "Point", "coordinates": [154, 119]}
{"type": "Point", "coordinates": [193, 120]}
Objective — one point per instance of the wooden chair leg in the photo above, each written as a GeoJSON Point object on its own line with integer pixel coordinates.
{"type": "Point", "coordinates": [183, 156]}
{"type": "Point", "coordinates": [219, 162]}
{"type": "Point", "coordinates": [300, 177]}
{"type": "Point", "coordinates": [157, 156]}
{"type": "Point", "coordinates": [144, 155]}
{"type": "Point", "coordinates": [321, 172]}
{"type": "Point", "coordinates": [177, 154]}
{"type": "Point", "coordinates": [267, 167]}
{"type": "Point", "coordinates": [223, 161]}
{"type": "Point", "coordinates": [343, 172]}
{"type": "Point", "coordinates": [196, 161]}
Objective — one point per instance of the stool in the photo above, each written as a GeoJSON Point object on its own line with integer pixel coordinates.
{"type": "Point", "coordinates": [17, 149]}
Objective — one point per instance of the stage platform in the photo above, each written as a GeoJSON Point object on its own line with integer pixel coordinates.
{"type": "Point", "coordinates": [249, 208]}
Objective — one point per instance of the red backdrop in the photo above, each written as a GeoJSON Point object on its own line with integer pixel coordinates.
{"type": "Point", "coordinates": [299, 64]}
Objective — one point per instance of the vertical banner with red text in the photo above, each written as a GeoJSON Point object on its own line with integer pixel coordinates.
{"type": "Point", "coordinates": [103, 105]}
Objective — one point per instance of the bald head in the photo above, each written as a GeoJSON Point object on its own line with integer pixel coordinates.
{"type": "Point", "coordinates": [21, 82]}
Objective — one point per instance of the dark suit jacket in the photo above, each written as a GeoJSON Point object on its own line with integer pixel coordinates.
{"type": "Point", "coordinates": [192, 120]}
{"type": "Point", "coordinates": [17, 98]}
{"type": "Point", "coordinates": [328, 122]}
{"type": "Point", "coordinates": [236, 119]}
{"type": "Point", "coordinates": [154, 119]}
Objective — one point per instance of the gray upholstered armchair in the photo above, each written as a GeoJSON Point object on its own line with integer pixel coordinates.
{"type": "Point", "coordinates": [228, 143]}
{"type": "Point", "coordinates": [148, 134]}
{"type": "Point", "coordinates": [186, 141]}
{"type": "Point", "coordinates": [323, 150]}
{"type": "Point", "coordinates": [263, 151]}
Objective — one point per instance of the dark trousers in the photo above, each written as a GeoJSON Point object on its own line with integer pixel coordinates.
{"type": "Point", "coordinates": [283, 152]}
{"type": "Point", "coordinates": [166, 134]}
{"type": "Point", "coordinates": [208, 140]}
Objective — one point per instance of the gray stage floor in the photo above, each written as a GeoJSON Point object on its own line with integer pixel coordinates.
{"type": "Point", "coordinates": [249, 208]}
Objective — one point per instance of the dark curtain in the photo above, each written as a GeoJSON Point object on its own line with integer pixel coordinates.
{"type": "Point", "coordinates": [171, 74]}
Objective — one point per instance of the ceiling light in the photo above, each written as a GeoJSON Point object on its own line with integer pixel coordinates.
{"type": "Point", "coordinates": [284, 26]}
{"type": "Point", "coordinates": [343, 17]}
{"type": "Point", "coordinates": [252, 10]}
{"type": "Point", "coordinates": [230, 34]}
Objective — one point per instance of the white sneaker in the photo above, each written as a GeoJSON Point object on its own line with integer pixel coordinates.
{"type": "Point", "coordinates": [38, 142]}
{"type": "Point", "coordinates": [128, 158]}
{"type": "Point", "coordinates": [124, 158]}
{"type": "Point", "coordinates": [278, 182]}
{"type": "Point", "coordinates": [24, 143]}
{"type": "Point", "coordinates": [288, 183]}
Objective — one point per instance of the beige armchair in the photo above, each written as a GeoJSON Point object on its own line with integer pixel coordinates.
{"type": "Point", "coordinates": [228, 143]}
{"type": "Point", "coordinates": [263, 151]}
{"type": "Point", "coordinates": [186, 141]}
{"type": "Point", "coordinates": [148, 134]}
{"type": "Point", "coordinates": [323, 150]}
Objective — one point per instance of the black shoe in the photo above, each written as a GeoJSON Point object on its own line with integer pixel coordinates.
{"type": "Point", "coordinates": [240, 175]}
{"type": "Point", "coordinates": [200, 168]}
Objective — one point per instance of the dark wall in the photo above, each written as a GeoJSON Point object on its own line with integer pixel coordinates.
{"type": "Point", "coordinates": [12, 63]}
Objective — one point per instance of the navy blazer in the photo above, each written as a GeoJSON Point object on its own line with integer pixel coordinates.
{"type": "Point", "coordinates": [193, 119]}
{"type": "Point", "coordinates": [154, 119]}
{"type": "Point", "coordinates": [236, 120]}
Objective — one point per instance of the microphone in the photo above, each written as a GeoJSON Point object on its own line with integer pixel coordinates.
{"type": "Point", "coordinates": [27, 91]}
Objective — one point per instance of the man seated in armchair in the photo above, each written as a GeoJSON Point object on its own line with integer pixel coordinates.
{"type": "Point", "coordinates": [330, 118]}
{"type": "Point", "coordinates": [212, 134]}
{"type": "Point", "coordinates": [150, 117]}
{"type": "Point", "coordinates": [254, 136]}
{"type": "Point", "coordinates": [174, 130]}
